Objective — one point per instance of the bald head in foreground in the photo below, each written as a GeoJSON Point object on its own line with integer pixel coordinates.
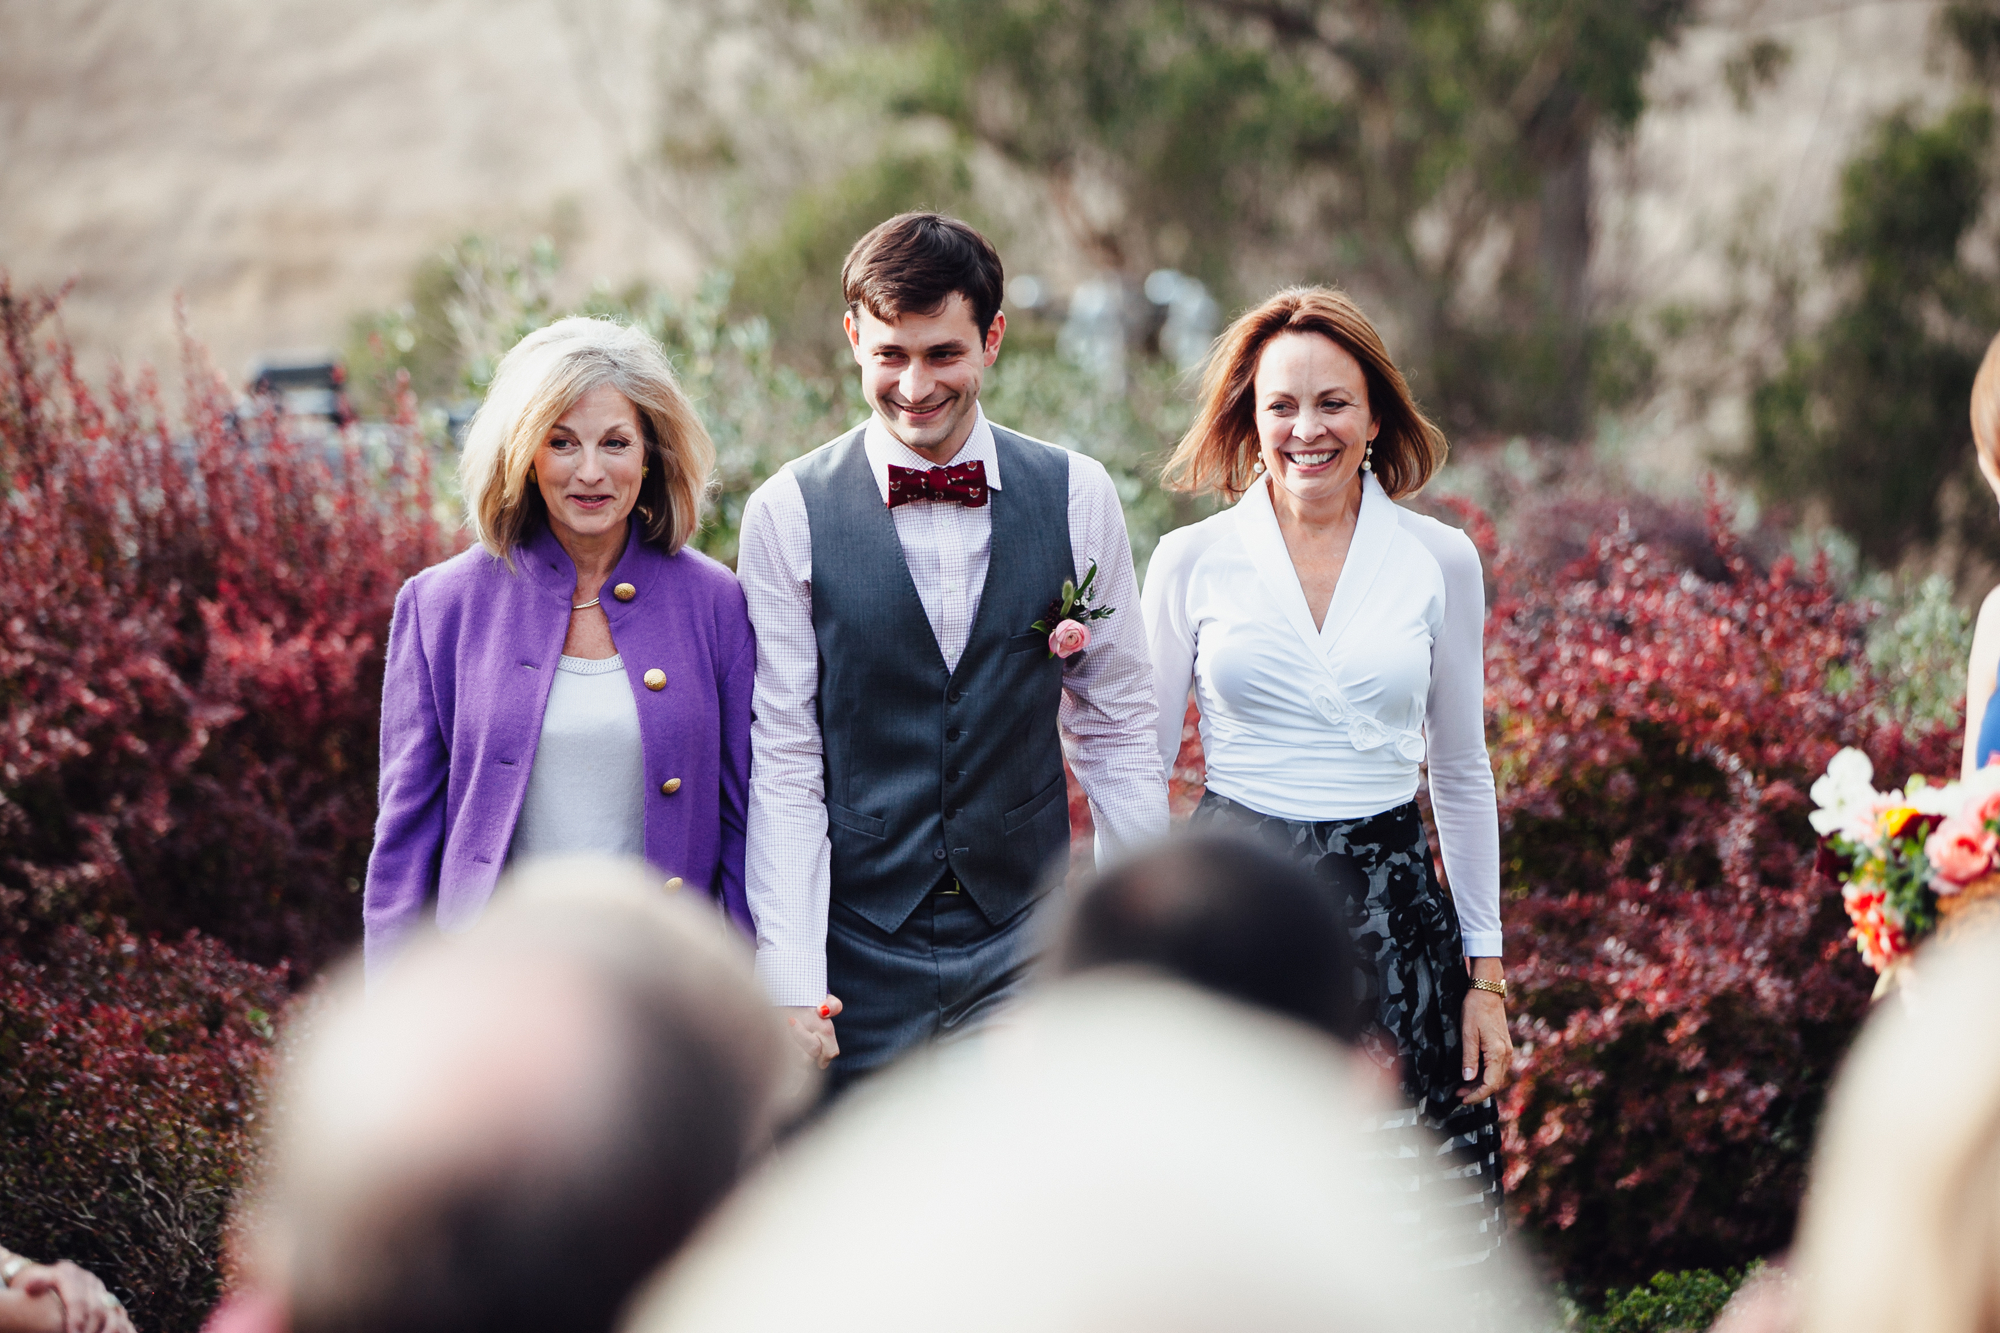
{"type": "Point", "coordinates": [511, 1127]}
{"type": "Point", "coordinates": [1126, 1153]}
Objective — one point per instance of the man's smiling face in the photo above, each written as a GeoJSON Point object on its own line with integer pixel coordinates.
{"type": "Point", "coordinates": [921, 372]}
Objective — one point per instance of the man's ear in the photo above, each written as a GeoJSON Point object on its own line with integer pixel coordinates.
{"type": "Point", "coordinates": [994, 333]}
{"type": "Point", "coordinates": [853, 328]}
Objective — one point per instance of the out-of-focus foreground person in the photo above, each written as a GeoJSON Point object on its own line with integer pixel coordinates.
{"type": "Point", "coordinates": [580, 680]}
{"type": "Point", "coordinates": [1332, 640]}
{"type": "Point", "coordinates": [1901, 1227]}
{"type": "Point", "coordinates": [1223, 914]}
{"type": "Point", "coordinates": [509, 1128]}
{"type": "Point", "coordinates": [1125, 1152]}
{"type": "Point", "coordinates": [1982, 716]}
{"type": "Point", "coordinates": [55, 1298]}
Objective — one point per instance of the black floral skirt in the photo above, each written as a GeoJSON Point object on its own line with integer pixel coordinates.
{"type": "Point", "coordinates": [1410, 976]}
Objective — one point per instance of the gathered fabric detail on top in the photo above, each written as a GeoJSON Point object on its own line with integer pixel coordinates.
{"type": "Point", "coordinates": [1364, 731]}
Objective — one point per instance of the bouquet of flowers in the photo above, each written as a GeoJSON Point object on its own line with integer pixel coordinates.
{"type": "Point", "coordinates": [1910, 860]}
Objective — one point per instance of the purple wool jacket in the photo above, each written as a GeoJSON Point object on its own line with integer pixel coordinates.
{"type": "Point", "coordinates": [472, 654]}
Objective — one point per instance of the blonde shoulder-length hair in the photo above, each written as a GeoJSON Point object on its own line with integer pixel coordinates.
{"type": "Point", "coordinates": [1986, 409]}
{"type": "Point", "coordinates": [538, 381]}
{"type": "Point", "coordinates": [1220, 451]}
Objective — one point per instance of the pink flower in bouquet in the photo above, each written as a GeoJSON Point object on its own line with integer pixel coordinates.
{"type": "Point", "coordinates": [1069, 638]}
{"type": "Point", "coordinates": [1983, 810]}
{"type": "Point", "coordinates": [1960, 851]}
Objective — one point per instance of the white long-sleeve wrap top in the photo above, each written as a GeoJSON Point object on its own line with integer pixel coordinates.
{"type": "Point", "coordinates": [1312, 723]}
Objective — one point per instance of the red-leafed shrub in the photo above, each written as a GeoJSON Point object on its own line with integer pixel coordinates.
{"type": "Point", "coordinates": [129, 1087]}
{"type": "Point", "coordinates": [1685, 985]}
{"type": "Point", "coordinates": [194, 611]}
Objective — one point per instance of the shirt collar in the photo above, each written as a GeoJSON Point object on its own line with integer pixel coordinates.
{"type": "Point", "coordinates": [883, 449]}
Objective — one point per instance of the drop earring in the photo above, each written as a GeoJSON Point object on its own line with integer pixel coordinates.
{"type": "Point", "coordinates": [1368, 458]}
{"type": "Point", "coordinates": [643, 470]}
{"type": "Point", "coordinates": [531, 472]}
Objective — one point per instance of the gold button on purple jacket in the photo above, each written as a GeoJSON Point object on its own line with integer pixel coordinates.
{"type": "Point", "coordinates": [472, 653]}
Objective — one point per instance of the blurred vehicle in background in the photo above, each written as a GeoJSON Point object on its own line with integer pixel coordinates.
{"type": "Point", "coordinates": [310, 387]}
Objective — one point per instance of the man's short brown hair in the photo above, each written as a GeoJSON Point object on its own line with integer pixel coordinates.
{"type": "Point", "coordinates": [914, 263]}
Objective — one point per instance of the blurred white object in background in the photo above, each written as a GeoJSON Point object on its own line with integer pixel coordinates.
{"type": "Point", "coordinates": [1093, 336]}
{"type": "Point", "coordinates": [1192, 315]}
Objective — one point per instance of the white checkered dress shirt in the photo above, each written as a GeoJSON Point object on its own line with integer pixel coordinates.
{"type": "Point", "coordinates": [1107, 716]}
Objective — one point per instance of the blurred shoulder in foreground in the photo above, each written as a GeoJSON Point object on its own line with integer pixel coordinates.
{"type": "Point", "coordinates": [1901, 1227]}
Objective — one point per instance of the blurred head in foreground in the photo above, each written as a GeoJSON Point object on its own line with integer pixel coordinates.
{"type": "Point", "coordinates": [1901, 1227]}
{"type": "Point", "coordinates": [514, 1125]}
{"type": "Point", "coordinates": [1126, 1153]}
{"type": "Point", "coordinates": [1223, 914]}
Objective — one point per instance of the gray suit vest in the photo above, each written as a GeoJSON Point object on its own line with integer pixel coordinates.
{"type": "Point", "coordinates": [929, 770]}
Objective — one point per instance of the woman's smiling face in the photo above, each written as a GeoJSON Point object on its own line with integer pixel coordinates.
{"type": "Point", "coordinates": [588, 469]}
{"type": "Point", "coordinates": [1313, 419]}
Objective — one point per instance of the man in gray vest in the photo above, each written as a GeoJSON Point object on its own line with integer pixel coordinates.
{"type": "Point", "coordinates": [943, 609]}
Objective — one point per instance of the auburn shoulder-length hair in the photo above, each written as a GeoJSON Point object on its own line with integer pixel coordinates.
{"type": "Point", "coordinates": [538, 381]}
{"type": "Point", "coordinates": [1220, 451]}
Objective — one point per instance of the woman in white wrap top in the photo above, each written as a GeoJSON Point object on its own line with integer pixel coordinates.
{"type": "Point", "coordinates": [1332, 640]}
{"type": "Point", "coordinates": [1313, 723]}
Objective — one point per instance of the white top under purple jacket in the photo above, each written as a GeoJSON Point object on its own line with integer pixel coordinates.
{"type": "Point", "coordinates": [473, 649]}
{"type": "Point", "coordinates": [1333, 721]}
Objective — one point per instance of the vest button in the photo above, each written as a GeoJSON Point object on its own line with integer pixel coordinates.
{"type": "Point", "coordinates": [937, 854]}
{"type": "Point", "coordinates": [953, 697]}
{"type": "Point", "coordinates": [951, 735]}
{"type": "Point", "coordinates": [951, 814]}
{"type": "Point", "coordinates": [951, 776]}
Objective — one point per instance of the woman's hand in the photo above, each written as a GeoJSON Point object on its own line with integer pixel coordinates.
{"type": "Point", "coordinates": [1489, 1050]}
{"type": "Point", "coordinates": [813, 1030]}
{"type": "Point", "coordinates": [86, 1306]}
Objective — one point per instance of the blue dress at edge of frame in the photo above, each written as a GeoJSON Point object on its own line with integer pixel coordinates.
{"type": "Point", "coordinates": [1989, 730]}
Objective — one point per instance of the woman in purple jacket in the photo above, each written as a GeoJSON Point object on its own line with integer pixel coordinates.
{"type": "Point", "coordinates": [579, 680]}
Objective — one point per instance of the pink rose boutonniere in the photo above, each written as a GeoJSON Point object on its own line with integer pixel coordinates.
{"type": "Point", "coordinates": [1068, 639]}
{"type": "Point", "coordinates": [1067, 621]}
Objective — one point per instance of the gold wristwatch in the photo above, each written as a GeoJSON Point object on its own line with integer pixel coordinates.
{"type": "Point", "coordinates": [1497, 987]}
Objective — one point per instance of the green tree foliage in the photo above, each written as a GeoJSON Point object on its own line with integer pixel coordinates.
{"type": "Point", "coordinates": [793, 275]}
{"type": "Point", "coordinates": [475, 299]}
{"type": "Point", "coordinates": [468, 303]}
{"type": "Point", "coordinates": [1394, 147]}
{"type": "Point", "coordinates": [1868, 414]}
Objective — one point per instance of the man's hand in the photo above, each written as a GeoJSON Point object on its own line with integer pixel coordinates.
{"type": "Point", "coordinates": [1486, 1045]}
{"type": "Point", "coordinates": [812, 1028]}
{"type": "Point", "coordinates": [86, 1306]}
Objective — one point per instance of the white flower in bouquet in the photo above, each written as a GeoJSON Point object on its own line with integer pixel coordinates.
{"type": "Point", "coordinates": [1847, 799]}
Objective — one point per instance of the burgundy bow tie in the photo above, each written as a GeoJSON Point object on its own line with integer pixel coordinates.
{"type": "Point", "coordinates": [963, 482]}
